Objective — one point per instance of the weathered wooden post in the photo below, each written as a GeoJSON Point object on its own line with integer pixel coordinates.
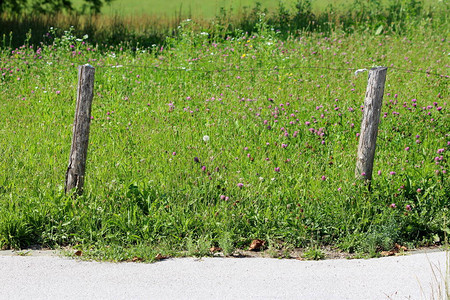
{"type": "Point", "coordinates": [80, 140]}
{"type": "Point", "coordinates": [369, 124]}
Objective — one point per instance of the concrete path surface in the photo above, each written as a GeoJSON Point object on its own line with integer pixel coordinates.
{"type": "Point", "coordinates": [416, 276]}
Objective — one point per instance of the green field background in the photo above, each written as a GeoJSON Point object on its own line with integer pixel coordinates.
{"type": "Point", "coordinates": [201, 8]}
{"type": "Point", "coordinates": [208, 8]}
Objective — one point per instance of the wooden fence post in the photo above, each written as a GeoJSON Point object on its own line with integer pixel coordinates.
{"type": "Point", "coordinates": [369, 124]}
{"type": "Point", "coordinates": [80, 140]}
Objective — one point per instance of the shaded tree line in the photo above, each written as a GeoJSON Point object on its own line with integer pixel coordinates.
{"type": "Point", "coordinates": [50, 6]}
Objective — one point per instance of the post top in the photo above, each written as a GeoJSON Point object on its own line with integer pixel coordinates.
{"type": "Point", "coordinates": [378, 68]}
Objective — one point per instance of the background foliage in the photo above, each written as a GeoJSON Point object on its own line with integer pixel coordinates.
{"type": "Point", "coordinates": [35, 7]}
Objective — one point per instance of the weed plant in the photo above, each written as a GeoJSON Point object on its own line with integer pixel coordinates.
{"type": "Point", "coordinates": [214, 142]}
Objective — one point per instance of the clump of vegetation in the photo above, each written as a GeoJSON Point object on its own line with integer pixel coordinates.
{"type": "Point", "coordinates": [313, 254]}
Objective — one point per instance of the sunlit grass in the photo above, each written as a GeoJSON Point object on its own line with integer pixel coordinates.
{"type": "Point", "coordinates": [279, 161]}
{"type": "Point", "coordinates": [208, 9]}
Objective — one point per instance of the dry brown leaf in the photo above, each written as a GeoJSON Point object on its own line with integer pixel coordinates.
{"type": "Point", "coordinates": [78, 253]}
{"type": "Point", "coordinates": [159, 256]}
{"type": "Point", "coordinates": [400, 248]}
{"type": "Point", "coordinates": [135, 259]}
{"type": "Point", "coordinates": [256, 245]}
{"type": "Point", "coordinates": [215, 249]}
{"type": "Point", "coordinates": [387, 253]}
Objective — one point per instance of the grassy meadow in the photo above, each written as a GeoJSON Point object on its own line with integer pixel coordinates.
{"type": "Point", "coordinates": [209, 9]}
{"type": "Point", "coordinates": [195, 8]}
{"type": "Point", "coordinates": [209, 141]}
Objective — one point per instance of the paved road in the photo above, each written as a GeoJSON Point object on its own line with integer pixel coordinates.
{"type": "Point", "coordinates": [416, 276]}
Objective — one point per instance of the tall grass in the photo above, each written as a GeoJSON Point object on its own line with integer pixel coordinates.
{"type": "Point", "coordinates": [374, 17]}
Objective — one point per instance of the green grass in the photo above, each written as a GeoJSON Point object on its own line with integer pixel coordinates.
{"type": "Point", "coordinates": [196, 8]}
{"type": "Point", "coordinates": [208, 9]}
{"type": "Point", "coordinates": [144, 30]}
{"type": "Point", "coordinates": [279, 162]}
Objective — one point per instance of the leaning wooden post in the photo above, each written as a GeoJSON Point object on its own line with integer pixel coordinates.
{"type": "Point", "coordinates": [369, 124]}
{"type": "Point", "coordinates": [80, 140]}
